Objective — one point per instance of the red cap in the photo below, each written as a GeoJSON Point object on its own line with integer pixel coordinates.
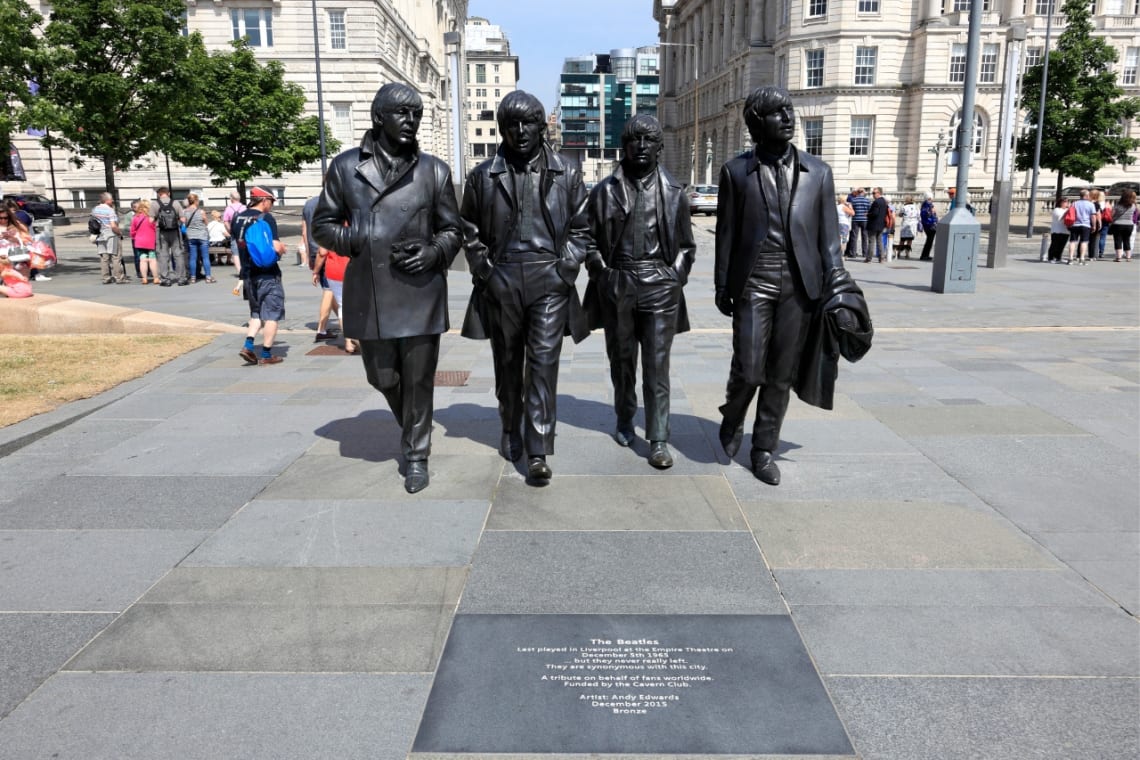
{"type": "Point", "coordinates": [257, 193]}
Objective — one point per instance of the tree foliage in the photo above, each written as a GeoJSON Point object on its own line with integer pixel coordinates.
{"type": "Point", "coordinates": [1085, 108]}
{"type": "Point", "coordinates": [248, 122]}
{"type": "Point", "coordinates": [115, 79]}
{"type": "Point", "coordinates": [20, 52]}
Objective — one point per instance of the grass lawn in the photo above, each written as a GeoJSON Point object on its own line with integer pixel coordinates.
{"type": "Point", "coordinates": [40, 372]}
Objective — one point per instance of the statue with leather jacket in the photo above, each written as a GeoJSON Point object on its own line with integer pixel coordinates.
{"type": "Point", "coordinates": [524, 221]}
{"type": "Point", "coordinates": [779, 274]}
{"type": "Point", "coordinates": [644, 250]}
{"type": "Point", "coordinates": [392, 209]}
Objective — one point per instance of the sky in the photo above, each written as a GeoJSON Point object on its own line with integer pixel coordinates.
{"type": "Point", "coordinates": [543, 34]}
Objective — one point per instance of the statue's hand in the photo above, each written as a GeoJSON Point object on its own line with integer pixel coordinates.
{"type": "Point", "coordinates": [416, 258]}
{"type": "Point", "coordinates": [845, 319]}
{"type": "Point", "coordinates": [724, 303]}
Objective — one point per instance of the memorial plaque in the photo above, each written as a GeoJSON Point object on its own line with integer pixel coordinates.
{"type": "Point", "coordinates": [628, 684]}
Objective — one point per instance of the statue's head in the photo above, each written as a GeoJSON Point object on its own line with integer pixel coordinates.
{"type": "Point", "coordinates": [396, 113]}
{"type": "Point", "coordinates": [641, 142]}
{"type": "Point", "coordinates": [770, 117]}
{"type": "Point", "coordinates": [522, 124]}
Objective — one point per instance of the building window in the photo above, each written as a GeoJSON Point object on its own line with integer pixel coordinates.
{"type": "Point", "coordinates": [254, 24]}
{"type": "Point", "coordinates": [478, 150]}
{"type": "Point", "coordinates": [491, 131]}
{"type": "Point", "coordinates": [1113, 7]}
{"type": "Point", "coordinates": [861, 130]}
{"type": "Point", "coordinates": [979, 132]}
{"type": "Point", "coordinates": [480, 73]}
{"type": "Point", "coordinates": [1131, 59]}
{"type": "Point", "coordinates": [868, 6]}
{"type": "Point", "coordinates": [342, 124]}
{"type": "Point", "coordinates": [338, 31]}
{"type": "Point", "coordinates": [987, 72]}
{"type": "Point", "coordinates": [785, 12]}
{"type": "Point", "coordinates": [478, 131]}
{"type": "Point", "coordinates": [1043, 7]}
{"type": "Point", "coordinates": [817, 8]}
{"type": "Point", "coordinates": [814, 68]}
{"type": "Point", "coordinates": [962, 6]}
{"type": "Point", "coordinates": [865, 64]}
{"type": "Point", "coordinates": [1033, 56]}
{"type": "Point", "coordinates": [813, 136]}
{"type": "Point", "coordinates": [957, 63]}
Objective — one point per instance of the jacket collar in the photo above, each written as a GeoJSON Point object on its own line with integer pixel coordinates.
{"type": "Point", "coordinates": [368, 169]}
{"type": "Point", "coordinates": [548, 160]}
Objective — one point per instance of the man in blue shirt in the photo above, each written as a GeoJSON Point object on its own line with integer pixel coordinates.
{"type": "Point", "coordinates": [1080, 232]}
{"type": "Point", "coordinates": [263, 287]}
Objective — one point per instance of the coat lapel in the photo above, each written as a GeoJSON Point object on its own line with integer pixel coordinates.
{"type": "Point", "coordinates": [669, 192]}
{"type": "Point", "coordinates": [370, 173]}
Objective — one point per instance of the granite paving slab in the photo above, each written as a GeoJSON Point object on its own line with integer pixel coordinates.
{"type": "Point", "coordinates": [633, 572]}
{"type": "Point", "coordinates": [206, 716]}
{"type": "Point", "coordinates": [611, 684]}
{"type": "Point", "coordinates": [287, 638]}
{"type": "Point", "coordinates": [821, 437]}
{"type": "Point", "coordinates": [856, 478]}
{"type": "Point", "coordinates": [599, 454]}
{"type": "Point", "coordinates": [1092, 545]}
{"type": "Point", "coordinates": [1059, 587]}
{"type": "Point", "coordinates": [1045, 483]}
{"type": "Point", "coordinates": [332, 533]}
{"type": "Point", "coordinates": [308, 586]}
{"type": "Point", "coordinates": [888, 534]}
{"type": "Point", "coordinates": [988, 420]}
{"type": "Point", "coordinates": [453, 478]}
{"type": "Point", "coordinates": [641, 502]}
{"type": "Point", "coordinates": [1118, 579]}
{"type": "Point", "coordinates": [160, 502]}
{"type": "Point", "coordinates": [34, 645]}
{"type": "Point", "coordinates": [227, 451]}
{"type": "Point", "coordinates": [992, 718]}
{"type": "Point", "coordinates": [85, 570]}
{"type": "Point", "coordinates": [992, 641]}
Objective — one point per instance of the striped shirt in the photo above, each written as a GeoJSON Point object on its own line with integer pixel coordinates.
{"type": "Point", "coordinates": [862, 205]}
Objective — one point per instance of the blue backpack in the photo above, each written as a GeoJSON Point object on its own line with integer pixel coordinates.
{"type": "Point", "coordinates": [258, 239]}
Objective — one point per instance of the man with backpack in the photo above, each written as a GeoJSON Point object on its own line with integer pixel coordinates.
{"type": "Point", "coordinates": [172, 255]}
{"type": "Point", "coordinates": [259, 249]}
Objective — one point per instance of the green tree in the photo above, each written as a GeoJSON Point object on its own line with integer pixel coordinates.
{"type": "Point", "coordinates": [20, 52]}
{"type": "Point", "coordinates": [1085, 108]}
{"type": "Point", "coordinates": [115, 80]}
{"type": "Point", "coordinates": [248, 122]}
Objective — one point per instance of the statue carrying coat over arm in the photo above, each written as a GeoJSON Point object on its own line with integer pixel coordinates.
{"type": "Point", "coordinates": [779, 274]}
{"type": "Point", "coordinates": [392, 209]}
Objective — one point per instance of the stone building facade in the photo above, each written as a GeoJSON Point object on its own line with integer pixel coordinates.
{"type": "Point", "coordinates": [363, 45]}
{"type": "Point", "coordinates": [874, 81]}
{"type": "Point", "coordinates": [490, 72]}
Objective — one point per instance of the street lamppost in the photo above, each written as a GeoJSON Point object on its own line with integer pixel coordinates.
{"type": "Point", "coordinates": [708, 161]}
{"type": "Point", "coordinates": [320, 97]}
{"type": "Point", "coordinates": [696, 101]}
{"type": "Point", "coordinates": [939, 148]}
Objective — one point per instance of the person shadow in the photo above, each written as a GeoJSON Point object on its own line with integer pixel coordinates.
{"type": "Point", "coordinates": [373, 435]}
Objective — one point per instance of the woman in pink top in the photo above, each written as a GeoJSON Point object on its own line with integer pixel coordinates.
{"type": "Point", "coordinates": [143, 235]}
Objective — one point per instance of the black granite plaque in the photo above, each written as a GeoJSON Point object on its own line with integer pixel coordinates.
{"type": "Point", "coordinates": [628, 684]}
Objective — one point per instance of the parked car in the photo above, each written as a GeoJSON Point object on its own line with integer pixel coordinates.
{"type": "Point", "coordinates": [702, 198]}
{"type": "Point", "coordinates": [1074, 191]}
{"type": "Point", "coordinates": [39, 206]}
{"type": "Point", "coordinates": [1119, 187]}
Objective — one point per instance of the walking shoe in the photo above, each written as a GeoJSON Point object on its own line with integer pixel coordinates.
{"type": "Point", "coordinates": [42, 278]}
{"type": "Point", "coordinates": [730, 438]}
{"type": "Point", "coordinates": [165, 283]}
{"type": "Point", "coordinates": [659, 455]}
{"type": "Point", "coordinates": [624, 434]}
{"type": "Point", "coordinates": [764, 467]}
{"type": "Point", "coordinates": [271, 360]}
{"type": "Point", "coordinates": [249, 356]}
{"type": "Point", "coordinates": [538, 471]}
{"type": "Point", "coordinates": [192, 280]}
{"type": "Point", "coordinates": [416, 478]}
{"type": "Point", "coordinates": [183, 282]}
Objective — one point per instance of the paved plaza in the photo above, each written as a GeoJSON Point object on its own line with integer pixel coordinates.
{"type": "Point", "coordinates": [220, 561]}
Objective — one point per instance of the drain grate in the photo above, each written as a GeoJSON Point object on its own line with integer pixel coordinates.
{"type": "Point", "coordinates": [326, 350]}
{"type": "Point", "coordinates": [451, 378]}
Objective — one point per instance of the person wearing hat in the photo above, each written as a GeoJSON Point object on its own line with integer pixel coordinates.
{"type": "Point", "coordinates": [391, 209]}
{"type": "Point", "coordinates": [263, 287]}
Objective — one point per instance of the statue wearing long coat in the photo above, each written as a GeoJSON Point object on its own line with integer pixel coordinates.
{"type": "Point", "coordinates": [381, 302]}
